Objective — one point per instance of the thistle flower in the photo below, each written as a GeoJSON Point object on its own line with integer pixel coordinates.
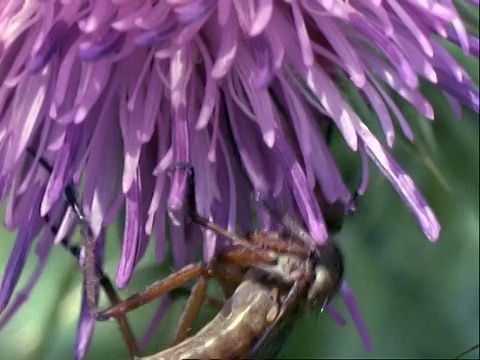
{"type": "Point", "coordinates": [114, 92]}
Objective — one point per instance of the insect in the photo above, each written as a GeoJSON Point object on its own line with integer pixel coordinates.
{"type": "Point", "coordinates": [285, 271]}
{"type": "Point", "coordinates": [260, 310]}
{"type": "Point", "coordinates": [266, 279]}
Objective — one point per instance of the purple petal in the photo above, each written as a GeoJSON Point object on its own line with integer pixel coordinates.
{"type": "Point", "coordinates": [336, 315]}
{"type": "Point", "coordinates": [351, 303]}
{"type": "Point", "coordinates": [101, 191]}
{"type": "Point", "coordinates": [26, 114]}
{"type": "Point", "coordinates": [58, 177]}
{"type": "Point", "coordinates": [177, 239]}
{"type": "Point", "coordinates": [85, 328]}
{"type": "Point", "coordinates": [254, 163]}
{"type": "Point", "coordinates": [86, 322]}
{"type": "Point", "coordinates": [344, 49]}
{"type": "Point", "coordinates": [262, 56]}
{"type": "Point", "coordinates": [402, 183]}
{"type": "Point", "coordinates": [110, 43]}
{"type": "Point", "coordinates": [43, 250]}
{"type": "Point", "coordinates": [365, 171]}
{"type": "Point", "coordinates": [194, 11]}
{"type": "Point", "coordinates": [303, 194]}
{"type": "Point", "coordinates": [50, 45]}
{"type": "Point", "coordinates": [160, 34]}
{"type": "Point", "coordinates": [29, 228]}
{"type": "Point", "coordinates": [227, 49]}
{"type": "Point", "coordinates": [155, 322]}
{"type": "Point", "coordinates": [392, 52]}
{"type": "Point", "coordinates": [146, 187]}
{"type": "Point", "coordinates": [464, 94]}
{"type": "Point", "coordinates": [131, 237]}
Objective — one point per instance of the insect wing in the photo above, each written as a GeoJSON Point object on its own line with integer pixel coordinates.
{"type": "Point", "coordinates": [269, 345]}
{"type": "Point", "coordinates": [272, 340]}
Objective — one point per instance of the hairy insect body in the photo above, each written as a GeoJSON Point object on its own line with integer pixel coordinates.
{"type": "Point", "coordinates": [258, 311]}
{"type": "Point", "coordinates": [266, 278]}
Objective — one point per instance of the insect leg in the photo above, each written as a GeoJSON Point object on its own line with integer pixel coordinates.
{"type": "Point", "coordinates": [88, 238]}
{"type": "Point", "coordinates": [247, 257]}
{"type": "Point", "coordinates": [227, 278]}
{"type": "Point", "coordinates": [109, 290]}
{"type": "Point", "coordinates": [157, 289]}
{"type": "Point", "coordinates": [184, 291]}
{"type": "Point", "coordinates": [192, 309]}
{"type": "Point", "coordinates": [293, 228]}
{"type": "Point", "coordinates": [200, 220]}
{"type": "Point", "coordinates": [279, 242]}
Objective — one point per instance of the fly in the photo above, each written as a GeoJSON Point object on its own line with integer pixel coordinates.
{"type": "Point", "coordinates": [266, 278]}
{"type": "Point", "coordinates": [259, 311]}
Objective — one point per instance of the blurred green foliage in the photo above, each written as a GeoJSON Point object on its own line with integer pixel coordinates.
{"type": "Point", "coordinates": [419, 300]}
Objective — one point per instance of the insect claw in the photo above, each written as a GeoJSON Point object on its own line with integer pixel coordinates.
{"type": "Point", "coordinates": [100, 316]}
{"type": "Point", "coordinates": [180, 166]}
{"type": "Point", "coordinates": [351, 207]}
{"type": "Point", "coordinates": [191, 203]}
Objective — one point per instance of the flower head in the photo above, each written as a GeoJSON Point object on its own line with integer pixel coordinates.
{"type": "Point", "coordinates": [113, 92]}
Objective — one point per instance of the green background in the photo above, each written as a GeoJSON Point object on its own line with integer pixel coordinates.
{"type": "Point", "coordinates": [419, 300]}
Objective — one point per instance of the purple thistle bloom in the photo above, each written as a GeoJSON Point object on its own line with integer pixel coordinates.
{"type": "Point", "coordinates": [113, 92]}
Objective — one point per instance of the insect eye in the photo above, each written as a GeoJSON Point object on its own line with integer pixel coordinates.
{"type": "Point", "coordinates": [317, 289]}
